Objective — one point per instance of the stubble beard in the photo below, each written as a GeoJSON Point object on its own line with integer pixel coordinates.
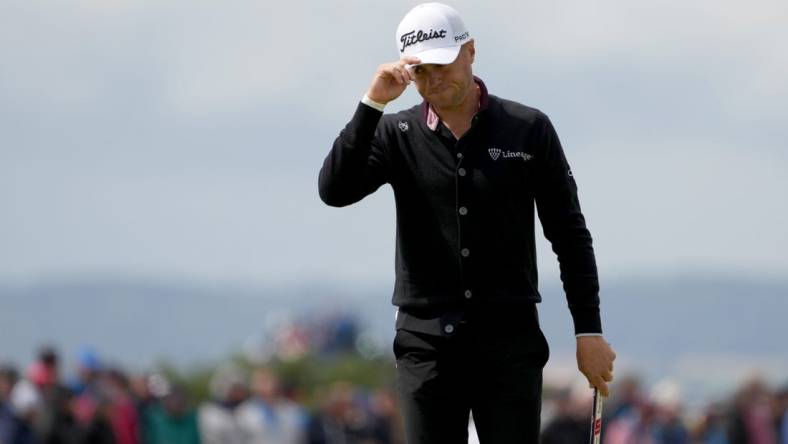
{"type": "Point", "coordinates": [455, 100]}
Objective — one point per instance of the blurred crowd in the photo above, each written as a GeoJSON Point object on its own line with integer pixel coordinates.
{"type": "Point", "coordinates": [106, 405]}
{"type": "Point", "coordinates": [253, 405]}
{"type": "Point", "coordinates": [754, 414]}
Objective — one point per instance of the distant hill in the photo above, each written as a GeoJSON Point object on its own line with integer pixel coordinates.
{"type": "Point", "coordinates": [654, 324]}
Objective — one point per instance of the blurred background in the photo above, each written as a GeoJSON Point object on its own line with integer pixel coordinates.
{"type": "Point", "coordinates": [168, 272]}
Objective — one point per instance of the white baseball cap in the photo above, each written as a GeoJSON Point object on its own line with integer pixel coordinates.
{"type": "Point", "coordinates": [25, 398]}
{"type": "Point", "coordinates": [433, 32]}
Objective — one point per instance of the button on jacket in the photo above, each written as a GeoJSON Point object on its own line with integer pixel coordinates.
{"type": "Point", "coordinates": [465, 209]}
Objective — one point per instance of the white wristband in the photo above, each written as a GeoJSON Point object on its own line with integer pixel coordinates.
{"type": "Point", "coordinates": [369, 102]}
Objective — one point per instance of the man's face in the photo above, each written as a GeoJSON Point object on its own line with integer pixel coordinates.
{"type": "Point", "coordinates": [265, 384]}
{"type": "Point", "coordinates": [446, 86]}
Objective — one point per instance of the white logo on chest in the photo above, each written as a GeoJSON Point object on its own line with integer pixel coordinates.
{"type": "Point", "coordinates": [495, 153]}
{"type": "Point", "coordinates": [403, 126]}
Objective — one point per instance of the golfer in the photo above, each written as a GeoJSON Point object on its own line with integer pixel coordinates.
{"type": "Point", "coordinates": [468, 169]}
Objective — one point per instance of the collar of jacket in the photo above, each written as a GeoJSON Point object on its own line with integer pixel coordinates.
{"type": "Point", "coordinates": [431, 118]}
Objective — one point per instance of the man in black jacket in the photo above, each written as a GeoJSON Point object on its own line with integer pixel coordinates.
{"type": "Point", "coordinates": [468, 169]}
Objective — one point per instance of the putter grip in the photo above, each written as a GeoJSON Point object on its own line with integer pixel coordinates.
{"type": "Point", "coordinates": [596, 418]}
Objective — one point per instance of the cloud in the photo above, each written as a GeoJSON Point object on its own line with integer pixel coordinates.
{"type": "Point", "coordinates": [187, 136]}
{"type": "Point", "coordinates": [212, 58]}
{"type": "Point", "coordinates": [671, 205]}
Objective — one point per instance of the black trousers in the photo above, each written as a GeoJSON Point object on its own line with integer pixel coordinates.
{"type": "Point", "coordinates": [491, 366]}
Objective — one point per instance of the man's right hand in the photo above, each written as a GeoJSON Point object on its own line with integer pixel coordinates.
{"type": "Point", "coordinates": [391, 79]}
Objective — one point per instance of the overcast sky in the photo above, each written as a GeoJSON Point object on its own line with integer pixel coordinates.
{"type": "Point", "coordinates": [183, 139]}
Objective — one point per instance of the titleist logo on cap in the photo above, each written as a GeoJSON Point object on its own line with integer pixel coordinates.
{"type": "Point", "coordinates": [413, 37]}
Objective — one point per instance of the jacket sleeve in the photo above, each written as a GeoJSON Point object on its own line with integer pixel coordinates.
{"type": "Point", "coordinates": [564, 226]}
{"type": "Point", "coordinates": [357, 164]}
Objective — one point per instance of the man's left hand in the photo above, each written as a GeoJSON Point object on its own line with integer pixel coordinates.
{"type": "Point", "coordinates": [595, 360]}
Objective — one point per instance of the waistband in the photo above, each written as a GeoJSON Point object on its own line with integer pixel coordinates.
{"type": "Point", "coordinates": [488, 316]}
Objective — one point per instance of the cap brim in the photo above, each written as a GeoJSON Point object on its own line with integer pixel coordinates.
{"type": "Point", "coordinates": [438, 56]}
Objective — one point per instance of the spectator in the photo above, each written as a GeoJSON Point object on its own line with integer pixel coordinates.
{"type": "Point", "coordinates": [172, 421]}
{"type": "Point", "coordinates": [631, 421]}
{"type": "Point", "coordinates": [752, 417]}
{"type": "Point", "coordinates": [327, 426]}
{"type": "Point", "coordinates": [85, 388]}
{"type": "Point", "coordinates": [711, 429]}
{"type": "Point", "coordinates": [341, 420]}
{"type": "Point", "coordinates": [8, 421]}
{"type": "Point", "coordinates": [25, 406]}
{"type": "Point", "coordinates": [386, 419]}
{"type": "Point", "coordinates": [55, 424]}
{"type": "Point", "coordinates": [667, 427]}
{"type": "Point", "coordinates": [144, 400]}
{"type": "Point", "coordinates": [90, 406]}
{"type": "Point", "coordinates": [98, 430]}
{"type": "Point", "coordinates": [122, 411]}
{"type": "Point", "coordinates": [217, 417]}
{"type": "Point", "coordinates": [571, 423]}
{"type": "Point", "coordinates": [625, 400]}
{"type": "Point", "coordinates": [268, 417]}
{"type": "Point", "coordinates": [782, 415]}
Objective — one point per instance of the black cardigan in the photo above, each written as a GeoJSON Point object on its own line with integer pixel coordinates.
{"type": "Point", "coordinates": [465, 213]}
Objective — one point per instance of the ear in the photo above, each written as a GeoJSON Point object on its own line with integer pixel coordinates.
{"type": "Point", "coordinates": [471, 49]}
